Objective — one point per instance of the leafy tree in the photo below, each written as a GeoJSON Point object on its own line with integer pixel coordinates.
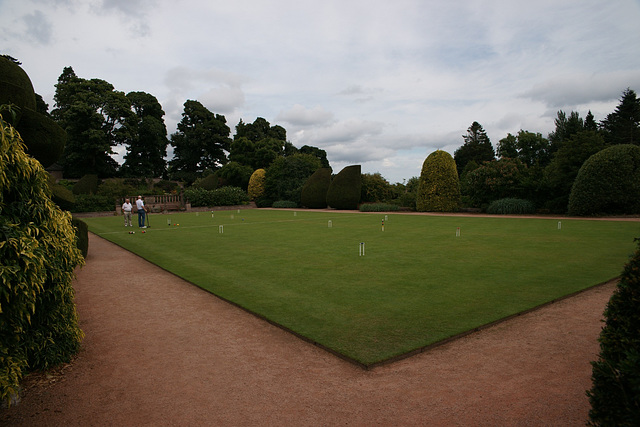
{"type": "Point", "coordinates": [286, 176]}
{"type": "Point", "coordinates": [439, 186]}
{"type": "Point", "coordinates": [316, 152]}
{"type": "Point", "coordinates": [199, 143]}
{"type": "Point", "coordinates": [147, 137]}
{"type": "Point", "coordinates": [500, 179]}
{"type": "Point", "coordinates": [260, 129]}
{"type": "Point", "coordinates": [38, 321]}
{"type": "Point", "coordinates": [375, 188]}
{"type": "Point", "coordinates": [531, 148]}
{"type": "Point", "coordinates": [235, 175]}
{"type": "Point", "coordinates": [258, 144]}
{"type": "Point", "coordinates": [563, 169]}
{"type": "Point", "coordinates": [477, 148]}
{"type": "Point", "coordinates": [608, 183]}
{"type": "Point", "coordinates": [94, 115]}
{"type": "Point", "coordinates": [615, 393]}
{"type": "Point", "coordinates": [623, 125]}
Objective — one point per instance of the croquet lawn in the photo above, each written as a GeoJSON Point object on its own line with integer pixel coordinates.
{"type": "Point", "coordinates": [417, 283]}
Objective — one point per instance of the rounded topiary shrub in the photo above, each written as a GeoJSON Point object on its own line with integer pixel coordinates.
{"type": "Point", "coordinates": [284, 204]}
{"type": "Point", "coordinates": [88, 184]}
{"type": "Point", "coordinates": [314, 191]}
{"type": "Point", "coordinates": [615, 393]}
{"type": "Point", "coordinates": [345, 189]}
{"type": "Point", "coordinates": [439, 186]}
{"type": "Point", "coordinates": [256, 184]}
{"type": "Point", "coordinates": [608, 183]}
{"type": "Point", "coordinates": [15, 88]}
{"type": "Point", "coordinates": [45, 139]}
{"type": "Point", "coordinates": [82, 233]}
{"type": "Point", "coordinates": [511, 206]}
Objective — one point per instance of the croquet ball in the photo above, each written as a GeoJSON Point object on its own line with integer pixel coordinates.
{"type": "Point", "coordinates": [143, 231]}
{"type": "Point", "coordinates": [177, 224]}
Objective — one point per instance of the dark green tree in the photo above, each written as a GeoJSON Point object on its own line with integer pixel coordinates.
{"type": "Point", "coordinates": [563, 169]}
{"type": "Point", "coordinates": [615, 393]}
{"type": "Point", "coordinates": [258, 144]}
{"type": "Point", "coordinates": [503, 178]}
{"type": "Point", "coordinates": [94, 115]}
{"type": "Point", "coordinates": [314, 191]}
{"type": "Point", "coordinates": [477, 147]}
{"type": "Point", "coordinates": [530, 148]}
{"type": "Point", "coordinates": [234, 174]}
{"type": "Point", "coordinates": [623, 125]}
{"type": "Point", "coordinates": [316, 152]}
{"type": "Point", "coordinates": [375, 188]}
{"type": "Point", "coordinates": [565, 128]}
{"type": "Point", "coordinates": [286, 176]}
{"type": "Point", "coordinates": [199, 143]}
{"type": "Point", "coordinates": [147, 138]}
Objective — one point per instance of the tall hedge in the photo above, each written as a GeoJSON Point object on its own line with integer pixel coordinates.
{"type": "Point", "coordinates": [38, 321]}
{"type": "Point", "coordinates": [608, 183]}
{"type": "Point", "coordinates": [256, 184]}
{"type": "Point", "coordinates": [314, 191]}
{"type": "Point", "coordinates": [615, 393]}
{"type": "Point", "coordinates": [345, 189]}
{"type": "Point", "coordinates": [439, 186]}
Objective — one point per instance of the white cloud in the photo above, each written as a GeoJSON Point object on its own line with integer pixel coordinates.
{"type": "Point", "coordinates": [380, 84]}
{"type": "Point", "coordinates": [298, 115]}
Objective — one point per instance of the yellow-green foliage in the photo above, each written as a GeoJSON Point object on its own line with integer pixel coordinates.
{"type": "Point", "coordinates": [38, 321]}
{"type": "Point", "coordinates": [439, 186]}
{"type": "Point", "coordinates": [256, 184]}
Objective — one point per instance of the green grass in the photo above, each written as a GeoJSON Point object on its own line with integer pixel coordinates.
{"type": "Point", "coordinates": [416, 285]}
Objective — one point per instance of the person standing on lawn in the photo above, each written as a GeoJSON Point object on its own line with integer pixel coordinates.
{"type": "Point", "coordinates": [141, 212]}
{"type": "Point", "coordinates": [126, 209]}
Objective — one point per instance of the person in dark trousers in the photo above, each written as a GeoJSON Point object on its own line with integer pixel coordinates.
{"type": "Point", "coordinates": [142, 210]}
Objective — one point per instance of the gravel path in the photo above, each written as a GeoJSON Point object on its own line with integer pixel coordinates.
{"type": "Point", "coordinates": [159, 351]}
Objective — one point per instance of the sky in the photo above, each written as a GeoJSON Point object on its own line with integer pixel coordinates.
{"type": "Point", "coordinates": [378, 83]}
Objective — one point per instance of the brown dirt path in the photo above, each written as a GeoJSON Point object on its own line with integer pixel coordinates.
{"type": "Point", "coordinates": [160, 351]}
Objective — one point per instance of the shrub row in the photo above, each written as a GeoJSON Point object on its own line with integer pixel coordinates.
{"type": "Point", "coordinates": [284, 204]}
{"type": "Point", "coordinates": [510, 206]}
{"type": "Point", "coordinates": [378, 207]}
{"type": "Point", "coordinates": [224, 196]}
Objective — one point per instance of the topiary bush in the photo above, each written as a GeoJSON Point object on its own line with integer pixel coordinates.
{"type": "Point", "coordinates": [82, 233]}
{"type": "Point", "coordinates": [510, 206]}
{"type": "Point", "coordinates": [209, 182]}
{"type": "Point", "coordinates": [615, 393]}
{"type": "Point", "coordinates": [608, 183]}
{"type": "Point", "coordinates": [88, 184]}
{"type": "Point", "coordinates": [256, 184]}
{"type": "Point", "coordinates": [439, 186]}
{"type": "Point", "coordinates": [93, 203]}
{"type": "Point", "coordinates": [346, 188]}
{"type": "Point", "coordinates": [224, 196]}
{"type": "Point", "coordinates": [314, 191]}
{"type": "Point", "coordinates": [38, 321]}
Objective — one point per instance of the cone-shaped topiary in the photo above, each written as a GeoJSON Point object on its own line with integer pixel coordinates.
{"type": "Point", "coordinates": [45, 137]}
{"type": "Point", "coordinates": [314, 191]}
{"type": "Point", "coordinates": [345, 189]}
{"type": "Point", "coordinates": [439, 186]}
{"type": "Point", "coordinates": [15, 88]}
{"type": "Point", "coordinates": [608, 183]}
{"type": "Point", "coordinates": [615, 394]}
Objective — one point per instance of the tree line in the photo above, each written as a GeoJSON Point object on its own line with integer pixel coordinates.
{"type": "Point", "coordinates": [527, 165]}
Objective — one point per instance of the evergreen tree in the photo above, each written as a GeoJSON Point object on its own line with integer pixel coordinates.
{"type": "Point", "coordinates": [200, 142]}
{"type": "Point", "coordinates": [147, 142]}
{"type": "Point", "coordinates": [623, 125]}
{"type": "Point", "coordinates": [477, 147]}
{"type": "Point", "coordinates": [565, 128]}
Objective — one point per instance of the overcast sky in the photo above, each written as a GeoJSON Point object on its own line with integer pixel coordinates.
{"type": "Point", "coordinates": [377, 83]}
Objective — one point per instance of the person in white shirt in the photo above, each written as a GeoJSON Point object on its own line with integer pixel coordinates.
{"type": "Point", "coordinates": [141, 212]}
{"type": "Point", "coordinates": [126, 210]}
